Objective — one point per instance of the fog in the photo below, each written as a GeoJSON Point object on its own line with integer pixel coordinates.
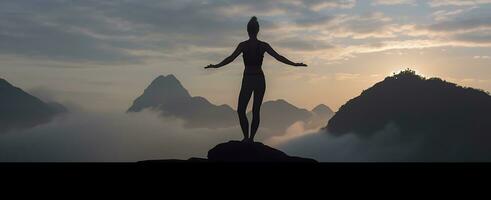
{"type": "Point", "coordinates": [111, 137]}
{"type": "Point", "coordinates": [114, 136]}
{"type": "Point", "coordinates": [387, 145]}
{"type": "Point", "coordinates": [383, 146]}
{"type": "Point", "coordinates": [83, 136]}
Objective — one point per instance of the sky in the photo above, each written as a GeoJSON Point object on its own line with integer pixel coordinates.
{"type": "Point", "coordinates": [100, 55]}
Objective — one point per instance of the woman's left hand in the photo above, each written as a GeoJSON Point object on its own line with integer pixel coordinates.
{"type": "Point", "coordinates": [210, 66]}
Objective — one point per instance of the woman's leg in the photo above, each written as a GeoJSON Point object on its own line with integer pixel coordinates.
{"type": "Point", "coordinates": [244, 96]}
{"type": "Point", "coordinates": [256, 105]}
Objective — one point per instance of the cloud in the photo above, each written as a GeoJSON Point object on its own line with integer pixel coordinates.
{"type": "Point", "coordinates": [43, 41]}
{"type": "Point", "coordinates": [376, 25]}
{"type": "Point", "coordinates": [384, 146]}
{"type": "Point", "coordinates": [130, 31]}
{"type": "Point", "coordinates": [55, 30]}
{"type": "Point", "coordinates": [302, 44]}
{"type": "Point", "coordinates": [393, 2]}
{"type": "Point", "coordinates": [438, 3]}
{"type": "Point", "coordinates": [346, 76]}
{"type": "Point", "coordinates": [441, 15]}
{"type": "Point", "coordinates": [82, 136]}
{"type": "Point", "coordinates": [111, 137]}
{"type": "Point", "coordinates": [481, 57]}
{"type": "Point", "coordinates": [43, 93]}
{"type": "Point", "coordinates": [387, 145]}
{"type": "Point", "coordinates": [323, 4]}
{"type": "Point", "coordinates": [123, 32]}
{"type": "Point", "coordinates": [460, 25]}
{"type": "Point", "coordinates": [99, 31]}
{"type": "Point", "coordinates": [296, 130]}
{"type": "Point", "coordinates": [378, 32]}
{"type": "Point", "coordinates": [481, 37]}
{"type": "Point", "coordinates": [368, 25]}
{"type": "Point", "coordinates": [457, 31]}
{"type": "Point", "coordinates": [135, 32]}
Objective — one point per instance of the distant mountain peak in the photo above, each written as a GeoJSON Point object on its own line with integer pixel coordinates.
{"type": "Point", "coordinates": [169, 81]}
{"type": "Point", "coordinates": [168, 77]}
{"type": "Point", "coordinates": [321, 108]}
{"type": "Point", "coordinates": [167, 95]}
{"type": "Point", "coordinates": [280, 102]}
{"type": "Point", "coordinates": [162, 90]}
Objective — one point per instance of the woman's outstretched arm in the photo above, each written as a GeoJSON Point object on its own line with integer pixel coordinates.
{"type": "Point", "coordinates": [281, 58]}
{"type": "Point", "coordinates": [229, 59]}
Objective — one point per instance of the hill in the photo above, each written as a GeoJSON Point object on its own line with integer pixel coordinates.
{"type": "Point", "coordinates": [416, 105]}
{"type": "Point", "coordinates": [19, 109]}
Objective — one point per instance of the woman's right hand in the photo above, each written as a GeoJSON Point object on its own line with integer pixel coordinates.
{"type": "Point", "coordinates": [300, 65]}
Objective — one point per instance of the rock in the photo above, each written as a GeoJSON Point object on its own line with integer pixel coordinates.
{"type": "Point", "coordinates": [236, 151]}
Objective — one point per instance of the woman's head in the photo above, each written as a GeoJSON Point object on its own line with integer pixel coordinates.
{"type": "Point", "coordinates": [253, 27]}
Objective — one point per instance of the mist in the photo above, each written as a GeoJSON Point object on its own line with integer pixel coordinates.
{"type": "Point", "coordinates": [120, 137]}
{"type": "Point", "coordinates": [86, 136]}
{"type": "Point", "coordinates": [387, 145]}
{"type": "Point", "coordinates": [110, 137]}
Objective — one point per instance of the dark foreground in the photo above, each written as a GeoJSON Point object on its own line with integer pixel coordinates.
{"type": "Point", "coordinates": [234, 162]}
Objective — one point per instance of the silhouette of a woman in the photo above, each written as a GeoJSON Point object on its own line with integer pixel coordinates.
{"type": "Point", "coordinates": [253, 79]}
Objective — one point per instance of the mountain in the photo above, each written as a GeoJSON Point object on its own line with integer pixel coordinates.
{"type": "Point", "coordinates": [167, 95]}
{"type": "Point", "coordinates": [163, 91]}
{"type": "Point", "coordinates": [19, 109]}
{"type": "Point", "coordinates": [279, 115]}
{"type": "Point", "coordinates": [320, 115]}
{"type": "Point", "coordinates": [323, 111]}
{"type": "Point", "coordinates": [417, 105]}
